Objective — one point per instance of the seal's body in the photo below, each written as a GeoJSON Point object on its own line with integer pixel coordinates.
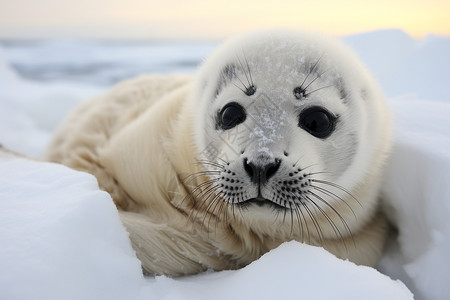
{"type": "Point", "coordinates": [280, 136]}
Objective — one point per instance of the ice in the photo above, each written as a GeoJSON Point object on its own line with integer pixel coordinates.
{"type": "Point", "coordinates": [61, 237]}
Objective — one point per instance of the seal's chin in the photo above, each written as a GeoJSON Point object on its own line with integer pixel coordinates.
{"type": "Point", "coordinates": [261, 202]}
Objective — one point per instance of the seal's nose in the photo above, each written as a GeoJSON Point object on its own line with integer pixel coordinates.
{"type": "Point", "coordinates": [261, 173]}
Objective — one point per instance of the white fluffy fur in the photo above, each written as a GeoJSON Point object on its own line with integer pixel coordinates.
{"type": "Point", "coordinates": [144, 138]}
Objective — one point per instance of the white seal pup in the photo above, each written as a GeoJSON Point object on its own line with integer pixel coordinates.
{"type": "Point", "coordinates": [282, 135]}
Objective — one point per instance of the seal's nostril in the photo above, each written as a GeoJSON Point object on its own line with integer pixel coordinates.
{"type": "Point", "coordinates": [260, 174]}
{"type": "Point", "coordinates": [271, 169]}
{"type": "Point", "coordinates": [249, 168]}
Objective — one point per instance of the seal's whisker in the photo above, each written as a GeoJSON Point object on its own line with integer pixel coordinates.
{"type": "Point", "coordinates": [209, 206]}
{"type": "Point", "coordinates": [243, 84]}
{"type": "Point", "coordinates": [248, 68]}
{"type": "Point", "coordinates": [314, 221]}
{"type": "Point", "coordinates": [208, 162]}
{"type": "Point", "coordinates": [198, 190]}
{"type": "Point", "coordinates": [294, 196]}
{"type": "Point", "coordinates": [189, 192]}
{"type": "Point", "coordinates": [219, 218]}
{"type": "Point", "coordinates": [223, 160]}
{"type": "Point", "coordinates": [204, 172]}
{"type": "Point", "coordinates": [240, 209]}
{"type": "Point", "coordinates": [244, 71]}
{"type": "Point", "coordinates": [216, 165]}
{"type": "Point", "coordinates": [331, 194]}
{"type": "Point", "coordinates": [317, 173]}
{"type": "Point", "coordinates": [309, 72]}
{"type": "Point", "coordinates": [284, 215]}
{"type": "Point", "coordinates": [333, 225]}
{"type": "Point", "coordinates": [299, 208]}
{"type": "Point", "coordinates": [347, 228]}
{"type": "Point", "coordinates": [232, 209]}
{"type": "Point", "coordinates": [205, 197]}
{"type": "Point", "coordinates": [206, 194]}
{"type": "Point", "coordinates": [292, 219]}
{"type": "Point", "coordinates": [225, 213]}
{"type": "Point", "coordinates": [317, 77]}
{"type": "Point", "coordinates": [296, 162]}
{"type": "Point", "coordinates": [321, 88]}
{"type": "Point", "coordinates": [221, 209]}
{"type": "Point", "coordinates": [238, 86]}
{"type": "Point", "coordinates": [337, 187]}
{"type": "Point", "coordinates": [187, 196]}
{"type": "Point", "coordinates": [310, 166]}
{"type": "Point", "coordinates": [333, 209]}
{"type": "Point", "coordinates": [299, 220]}
{"type": "Point", "coordinates": [201, 191]}
{"type": "Point", "coordinates": [216, 200]}
{"type": "Point", "coordinates": [193, 176]}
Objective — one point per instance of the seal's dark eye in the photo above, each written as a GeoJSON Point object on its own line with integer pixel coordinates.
{"type": "Point", "coordinates": [317, 121]}
{"type": "Point", "coordinates": [231, 115]}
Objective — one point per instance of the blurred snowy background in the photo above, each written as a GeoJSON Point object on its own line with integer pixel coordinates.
{"type": "Point", "coordinates": [61, 237]}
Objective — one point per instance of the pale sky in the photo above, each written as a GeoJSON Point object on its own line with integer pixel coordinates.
{"type": "Point", "coordinates": [215, 19]}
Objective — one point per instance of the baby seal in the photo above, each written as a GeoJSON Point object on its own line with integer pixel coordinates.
{"type": "Point", "coordinates": [282, 135]}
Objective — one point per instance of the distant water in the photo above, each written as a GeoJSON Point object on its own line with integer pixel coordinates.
{"type": "Point", "coordinates": [101, 63]}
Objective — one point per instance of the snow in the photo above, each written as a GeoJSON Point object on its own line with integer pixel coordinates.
{"type": "Point", "coordinates": [88, 62]}
{"type": "Point", "coordinates": [30, 111]}
{"type": "Point", "coordinates": [54, 223]}
{"type": "Point", "coordinates": [404, 65]}
{"type": "Point", "coordinates": [292, 271]}
{"type": "Point", "coordinates": [418, 195]}
{"type": "Point", "coordinates": [61, 237]}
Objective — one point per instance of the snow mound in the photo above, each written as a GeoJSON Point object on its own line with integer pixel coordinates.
{"type": "Point", "coordinates": [417, 197]}
{"type": "Point", "coordinates": [292, 271]}
{"type": "Point", "coordinates": [61, 237]}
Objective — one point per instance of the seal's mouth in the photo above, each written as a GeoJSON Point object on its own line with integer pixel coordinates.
{"type": "Point", "coordinates": [260, 202]}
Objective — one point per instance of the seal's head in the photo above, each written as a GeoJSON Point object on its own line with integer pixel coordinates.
{"type": "Point", "coordinates": [292, 133]}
